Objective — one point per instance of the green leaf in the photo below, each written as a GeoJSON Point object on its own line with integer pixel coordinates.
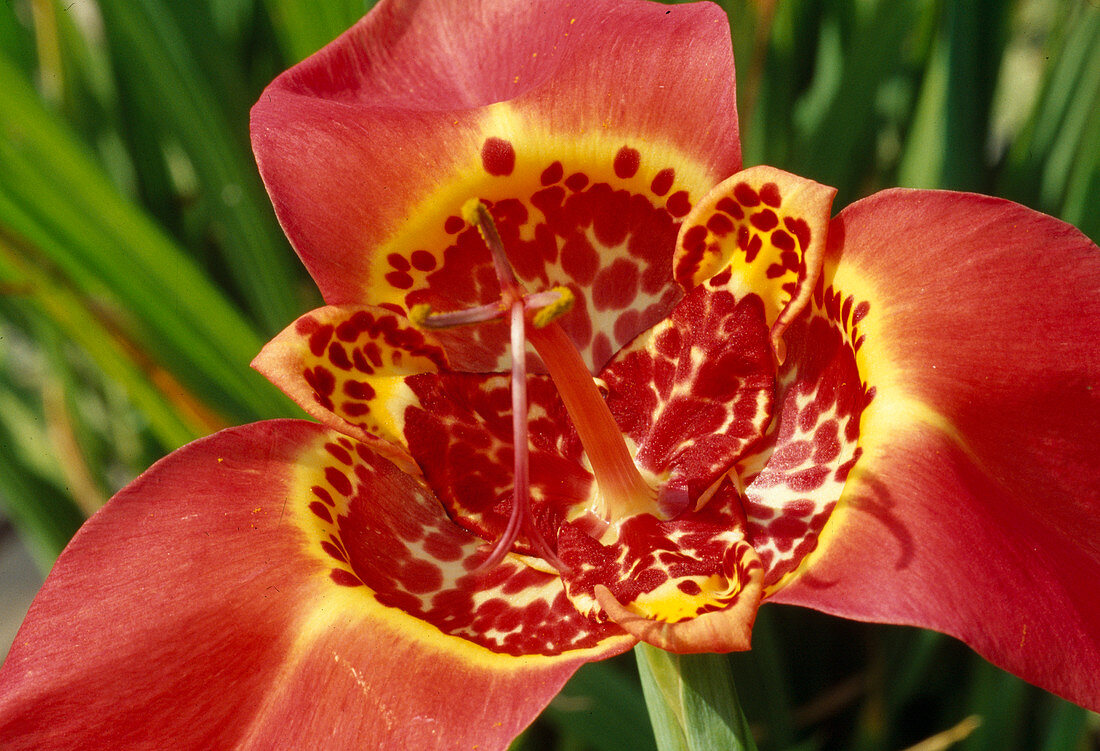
{"type": "Point", "coordinates": [692, 701]}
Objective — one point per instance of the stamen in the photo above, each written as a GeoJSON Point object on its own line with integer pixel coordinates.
{"type": "Point", "coordinates": [547, 306]}
{"type": "Point", "coordinates": [474, 212]}
{"type": "Point", "coordinates": [553, 308]}
{"type": "Point", "coordinates": [422, 316]}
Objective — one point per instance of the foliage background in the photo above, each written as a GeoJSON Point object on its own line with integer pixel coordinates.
{"type": "Point", "coordinates": [141, 268]}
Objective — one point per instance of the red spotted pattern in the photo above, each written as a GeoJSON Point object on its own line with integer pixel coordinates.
{"type": "Point", "coordinates": [338, 362]}
{"type": "Point", "coordinates": [699, 559]}
{"type": "Point", "coordinates": [761, 232]}
{"type": "Point", "coordinates": [384, 533]}
{"type": "Point", "coordinates": [460, 433]}
{"type": "Point", "coordinates": [605, 239]}
{"type": "Point", "coordinates": [696, 390]}
{"type": "Point", "coordinates": [747, 222]}
{"type": "Point", "coordinates": [796, 475]}
{"type": "Point", "coordinates": [692, 395]}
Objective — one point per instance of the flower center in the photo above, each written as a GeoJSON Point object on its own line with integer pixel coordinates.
{"type": "Point", "coordinates": [622, 491]}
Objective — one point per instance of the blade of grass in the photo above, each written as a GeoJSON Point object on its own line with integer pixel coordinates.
{"type": "Point", "coordinates": [1071, 149]}
{"type": "Point", "coordinates": [56, 199]}
{"type": "Point", "coordinates": [1071, 49]}
{"type": "Point", "coordinates": [304, 26]}
{"type": "Point", "coordinates": [998, 698]}
{"type": "Point", "coordinates": [48, 301]}
{"type": "Point", "coordinates": [835, 138]}
{"type": "Point", "coordinates": [150, 51]}
{"type": "Point", "coordinates": [15, 38]}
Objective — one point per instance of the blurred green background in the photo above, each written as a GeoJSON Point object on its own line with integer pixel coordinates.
{"type": "Point", "coordinates": [141, 268]}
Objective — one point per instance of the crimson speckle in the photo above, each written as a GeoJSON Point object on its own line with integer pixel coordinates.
{"type": "Point", "coordinates": [678, 204]}
{"type": "Point", "coordinates": [344, 578]}
{"type": "Point", "coordinates": [339, 453]}
{"type": "Point", "coordinates": [662, 181]}
{"type": "Point", "coordinates": [861, 312]}
{"type": "Point", "coordinates": [601, 347]}
{"type": "Point", "coordinates": [551, 174]}
{"type": "Point", "coordinates": [421, 576]}
{"type": "Point", "coordinates": [320, 380]}
{"type": "Point", "coordinates": [355, 409]}
{"type": "Point", "coordinates": [720, 225]}
{"type": "Point", "coordinates": [626, 325]}
{"type": "Point", "coordinates": [721, 279]}
{"type": "Point", "coordinates": [453, 225]}
{"type": "Point", "coordinates": [577, 181]}
{"type": "Point", "coordinates": [333, 551]}
{"type": "Point", "coordinates": [358, 390]}
{"type": "Point", "coordinates": [579, 259]}
{"type": "Point", "coordinates": [323, 494]}
{"type": "Point", "coordinates": [338, 356]}
{"type": "Point", "coordinates": [616, 286]}
{"type": "Point", "coordinates": [764, 220]}
{"type": "Point", "coordinates": [319, 339]}
{"type": "Point", "coordinates": [688, 587]}
{"type": "Point", "coordinates": [731, 207]}
{"type": "Point", "coordinates": [627, 162]}
{"type": "Point", "coordinates": [800, 229]}
{"type": "Point", "coordinates": [422, 260]}
{"type": "Point", "coordinates": [399, 279]}
{"type": "Point", "coordinates": [320, 510]}
{"type": "Point", "coordinates": [398, 261]}
{"type": "Point", "coordinates": [769, 194]}
{"type": "Point", "coordinates": [745, 195]}
{"type": "Point", "coordinates": [338, 480]}
{"type": "Point", "coordinates": [754, 246]}
{"type": "Point", "coordinates": [782, 240]}
{"type": "Point", "coordinates": [498, 157]}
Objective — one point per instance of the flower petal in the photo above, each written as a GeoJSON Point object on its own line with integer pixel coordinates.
{"type": "Point", "coordinates": [975, 507]}
{"type": "Point", "coordinates": [689, 584]}
{"type": "Point", "coordinates": [560, 116]}
{"type": "Point", "coordinates": [202, 609]}
{"type": "Point", "coordinates": [696, 390]}
{"type": "Point", "coordinates": [794, 477]}
{"type": "Point", "coordinates": [727, 630]}
{"type": "Point", "coordinates": [762, 231]}
{"type": "Point", "coordinates": [346, 365]}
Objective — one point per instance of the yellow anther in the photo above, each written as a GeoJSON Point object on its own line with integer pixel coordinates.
{"type": "Point", "coordinates": [418, 314]}
{"type": "Point", "coordinates": [471, 211]}
{"type": "Point", "coordinates": [556, 309]}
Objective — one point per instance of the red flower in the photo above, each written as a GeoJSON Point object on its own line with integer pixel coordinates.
{"type": "Point", "coordinates": [889, 415]}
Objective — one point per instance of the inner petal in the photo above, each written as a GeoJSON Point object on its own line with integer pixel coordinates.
{"type": "Point", "coordinates": [696, 391]}
{"type": "Point", "coordinates": [796, 474]}
{"type": "Point", "coordinates": [657, 576]}
{"type": "Point", "coordinates": [461, 434]}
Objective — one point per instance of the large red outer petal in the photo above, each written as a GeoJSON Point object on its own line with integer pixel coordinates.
{"type": "Point", "coordinates": [975, 509]}
{"type": "Point", "coordinates": [188, 614]}
{"type": "Point", "coordinates": [354, 139]}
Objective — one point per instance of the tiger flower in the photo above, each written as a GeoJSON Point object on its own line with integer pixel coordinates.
{"type": "Point", "coordinates": [582, 381]}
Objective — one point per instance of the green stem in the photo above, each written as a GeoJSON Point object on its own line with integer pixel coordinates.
{"type": "Point", "coordinates": [692, 701]}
